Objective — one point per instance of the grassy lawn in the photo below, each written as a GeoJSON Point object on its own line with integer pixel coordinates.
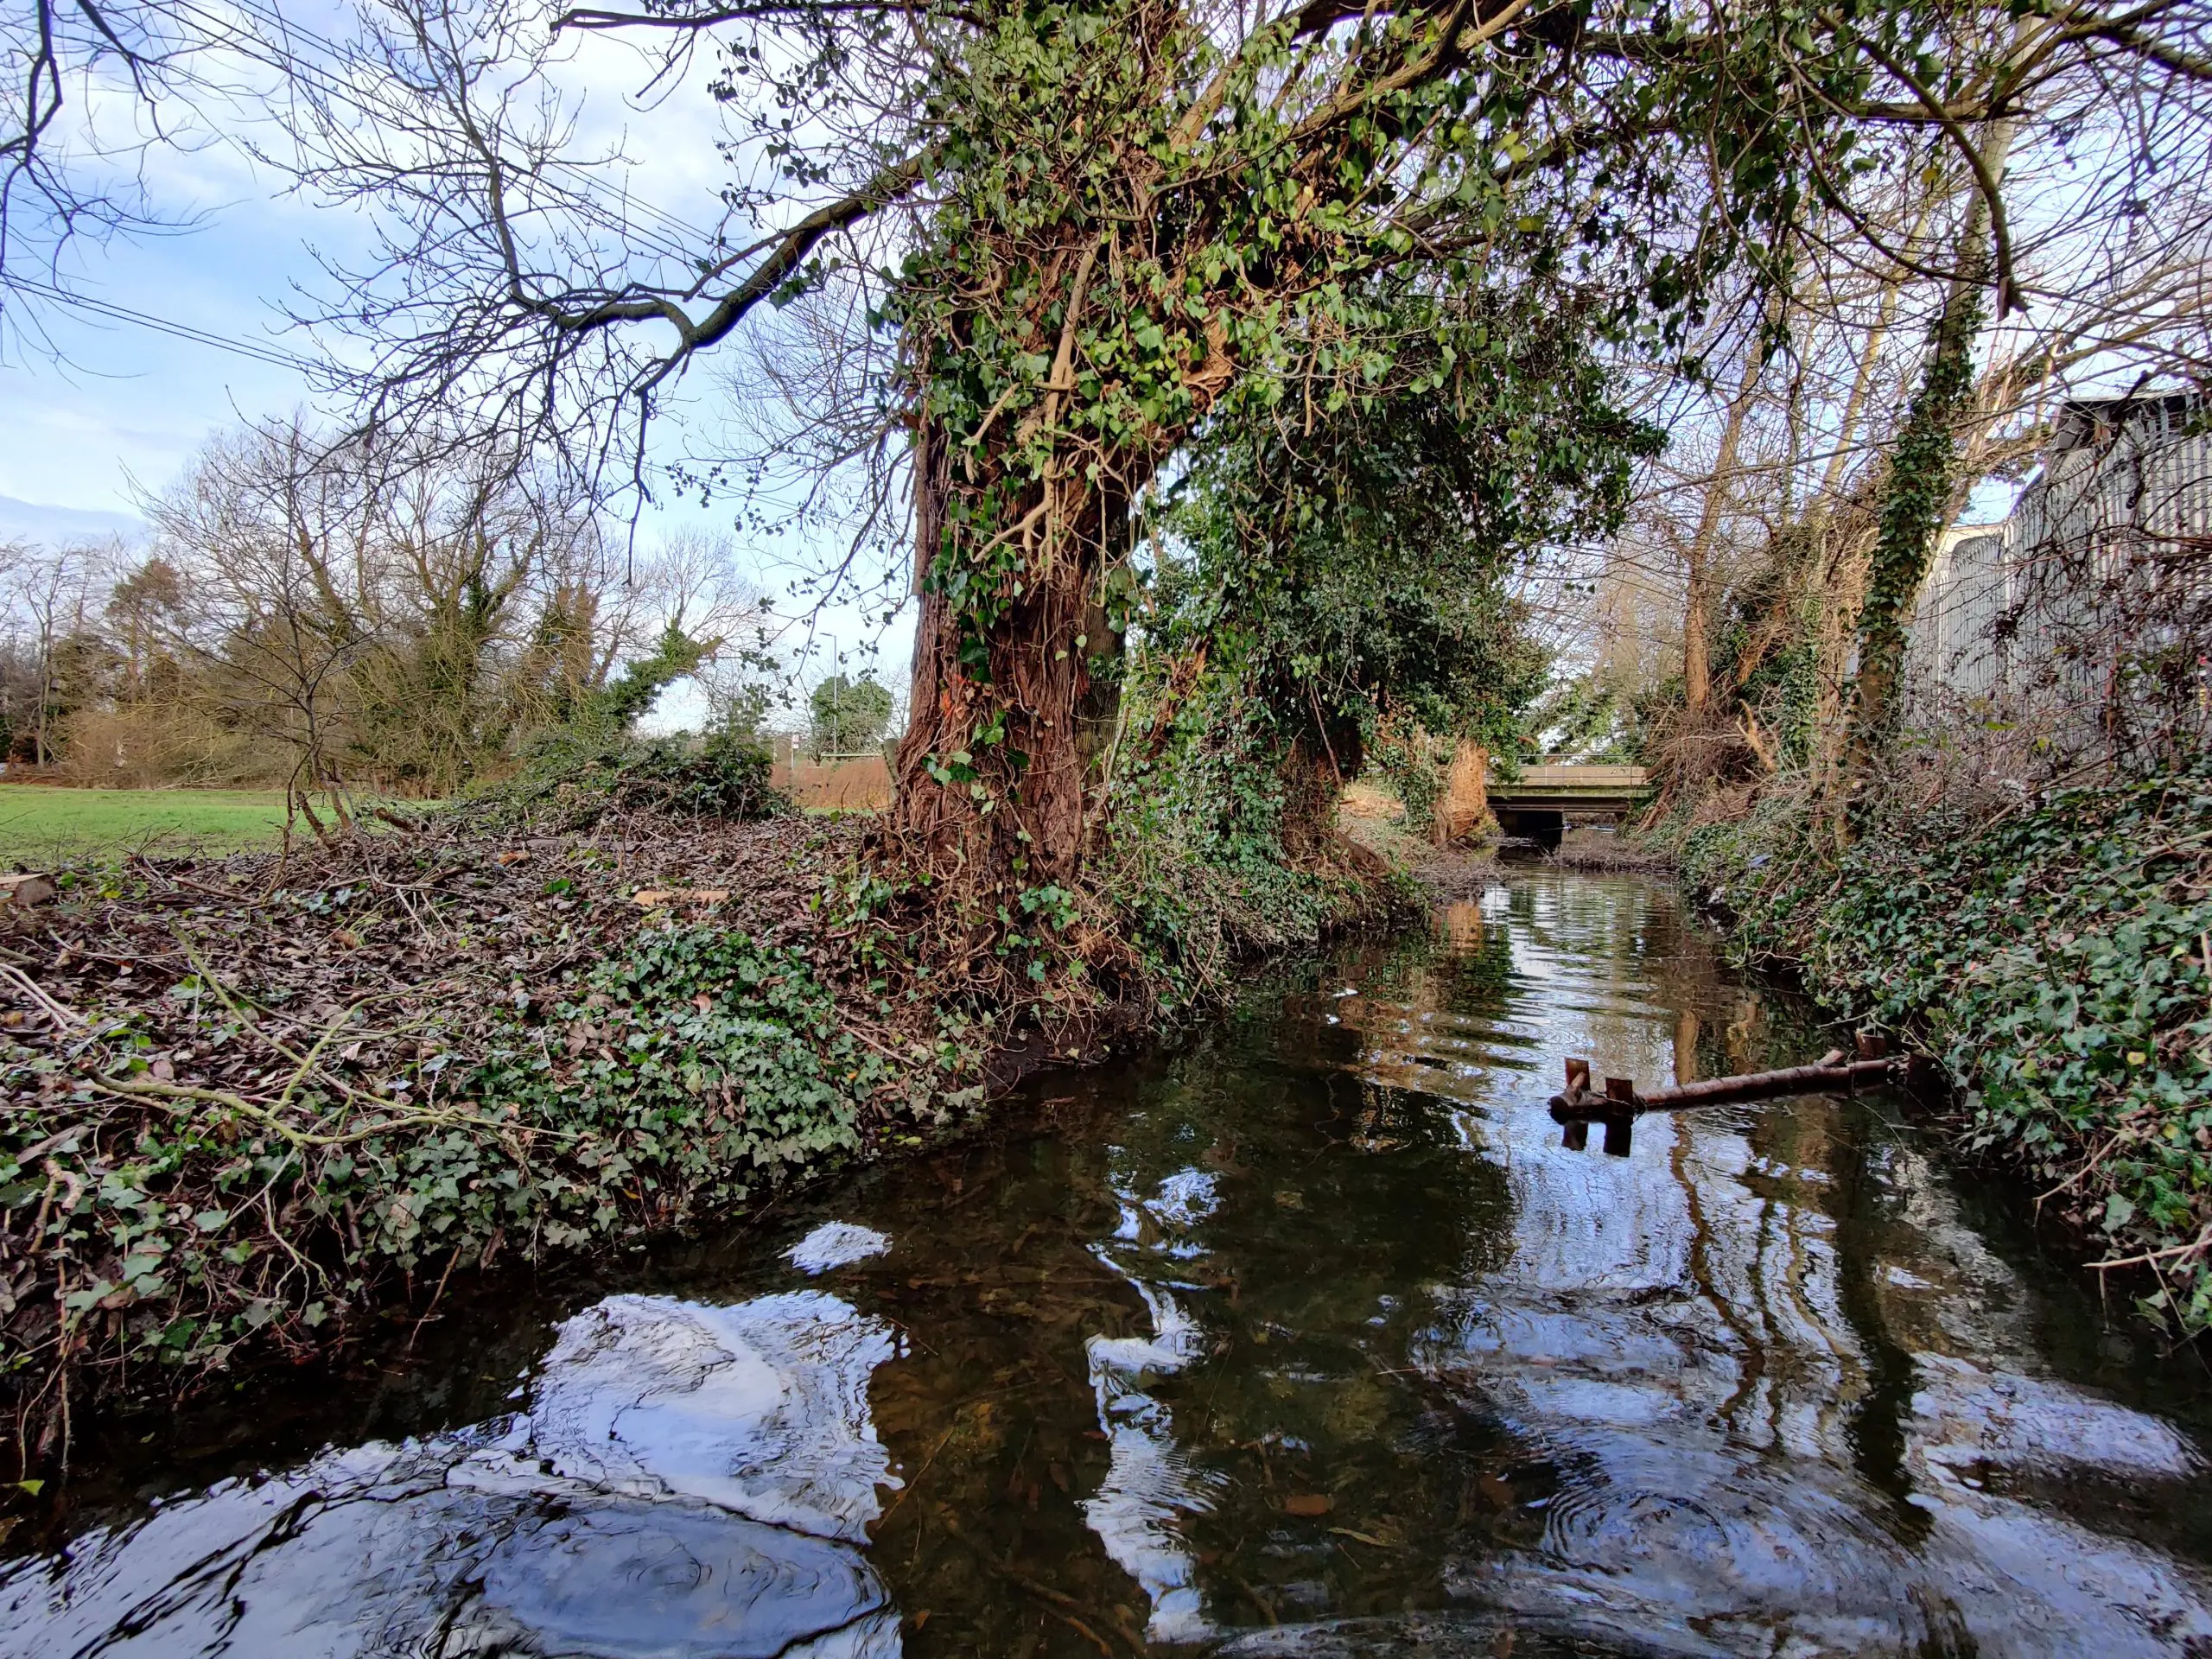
{"type": "Point", "coordinates": [40, 826]}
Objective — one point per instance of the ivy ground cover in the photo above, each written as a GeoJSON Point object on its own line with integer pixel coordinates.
{"type": "Point", "coordinates": [2056, 958]}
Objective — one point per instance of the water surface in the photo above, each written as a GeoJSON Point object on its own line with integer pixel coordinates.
{"type": "Point", "coordinates": [1309, 1337]}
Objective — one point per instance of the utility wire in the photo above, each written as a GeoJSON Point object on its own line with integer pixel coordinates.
{"type": "Point", "coordinates": [275, 355]}
{"type": "Point", "coordinates": [590, 193]}
{"type": "Point", "coordinates": [680, 239]}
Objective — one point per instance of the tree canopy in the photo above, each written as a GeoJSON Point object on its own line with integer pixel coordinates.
{"type": "Point", "coordinates": [1017, 260]}
{"type": "Point", "coordinates": [849, 714]}
{"type": "Point", "coordinates": [1357, 566]}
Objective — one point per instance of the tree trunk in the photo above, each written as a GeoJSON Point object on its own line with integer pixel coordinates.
{"type": "Point", "coordinates": [1098, 707]}
{"type": "Point", "coordinates": [1465, 801]}
{"type": "Point", "coordinates": [1697, 657]}
{"type": "Point", "coordinates": [1321, 763]}
{"type": "Point", "coordinates": [1918, 499]}
{"type": "Point", "coordinates": [1862, 379]}
{"type": "Point", "coordinates": [992, 777]}
{"type": "Point", "coordinates": [1697, 610]}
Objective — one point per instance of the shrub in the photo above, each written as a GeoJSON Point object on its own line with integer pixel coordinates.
{"type": "Point", "coordinates": [569, 783]}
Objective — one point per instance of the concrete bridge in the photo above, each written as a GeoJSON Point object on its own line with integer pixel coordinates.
{"type": "Point", "coordinates": [1550, 793]}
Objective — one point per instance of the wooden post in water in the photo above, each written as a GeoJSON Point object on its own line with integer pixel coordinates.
{"type": "Point", "coordinates": [1576, 1136]}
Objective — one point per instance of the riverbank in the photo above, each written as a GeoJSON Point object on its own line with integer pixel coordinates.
{"type": "Point", "coordinates": [2056, 956]}
{"type": "Point", "coordinates": [1244, 1348]}
{"type": "Point", "coordinates": [256, 1101]}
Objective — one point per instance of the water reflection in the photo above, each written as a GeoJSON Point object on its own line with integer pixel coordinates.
{"type": "Point", "coordinates": [686, 1480]}
{"type": "Point", "coordinates": [1309, 1339]}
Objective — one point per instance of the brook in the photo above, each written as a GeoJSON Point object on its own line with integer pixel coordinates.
{"type": "Point", "coordinates": [1305, 1337]}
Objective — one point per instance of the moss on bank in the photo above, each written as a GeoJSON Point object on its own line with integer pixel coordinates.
{"type": "Point", "coordinates": [2056, 957]}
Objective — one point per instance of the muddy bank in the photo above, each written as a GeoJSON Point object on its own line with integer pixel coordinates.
{"type": "Point", "coordinates": [1601, 848]}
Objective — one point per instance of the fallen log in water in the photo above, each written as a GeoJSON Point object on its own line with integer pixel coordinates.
{"type": "Point", "coordinates": [1831, 1073]}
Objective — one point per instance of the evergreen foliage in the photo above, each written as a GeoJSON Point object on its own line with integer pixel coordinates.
{"type": "Point", "coordinates": [675, 1079]}
{"type": "Point", "coordinates": [1350, 571]}
{"type": "Point", "coordinates": [2058, 958]}
{"type": "Point", "coordinates": [849, 714]}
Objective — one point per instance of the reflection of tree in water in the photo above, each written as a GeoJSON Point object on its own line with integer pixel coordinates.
{"type": "Point", "coordinates": [989, 1414]}
{"type": "Point", "coordinates": [1293, 1221]}
{"type": "Point", "coordinates": [1225, 1294]}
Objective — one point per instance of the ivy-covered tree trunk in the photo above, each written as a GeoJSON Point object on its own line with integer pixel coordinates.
{"type": "Point", "coordinates": [1127, 223]}
{"type": "Point", "coordinates": [993, 775]}
{"type": "Point", "coordinates": [1913, 510]}
{"type": "Point", "coordinates": [1919, 499]}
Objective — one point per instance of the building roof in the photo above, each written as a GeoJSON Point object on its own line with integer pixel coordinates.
{"type": "Point", "coordinates": [2096, 421]}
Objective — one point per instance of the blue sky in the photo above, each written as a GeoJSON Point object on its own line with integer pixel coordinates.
{"type": "Point", "coordinates": [124, 407]}
{"type": "Point", "coordinates": [127, 403]}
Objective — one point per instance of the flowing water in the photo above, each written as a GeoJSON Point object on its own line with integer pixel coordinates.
{"type": "Point", "coordinates": [1308, 1338]}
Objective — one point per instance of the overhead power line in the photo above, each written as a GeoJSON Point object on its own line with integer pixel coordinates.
{"type": "Point", "coordinates": [275, 356]}
{"type": "Point", "coordinates": [614, 206]}
{"type": "Point", "coordinates": [664, 234]}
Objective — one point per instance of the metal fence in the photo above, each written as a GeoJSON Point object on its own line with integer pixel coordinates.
{"type": "Point", "coordinates": [2078, 634]}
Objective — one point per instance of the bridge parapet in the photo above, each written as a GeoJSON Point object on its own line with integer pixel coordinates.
{"type": "Point", "coordinates": [1549, 775]}
{"type": "Point", "coordinates": [1536, 805]}
{"type": "Point", "coordinates": [1565, 782]}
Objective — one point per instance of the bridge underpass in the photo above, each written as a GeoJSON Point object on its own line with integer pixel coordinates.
{"type": "Point", "coordinates": [1548, 795]}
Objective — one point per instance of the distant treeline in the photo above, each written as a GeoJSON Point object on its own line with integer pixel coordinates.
{"type": "Point", "coordinates": [406, 617]}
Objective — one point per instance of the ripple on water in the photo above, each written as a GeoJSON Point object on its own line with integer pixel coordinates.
{"type": "Point", "coordinates": [760, 1407]}
{"type": "Point", "coordinates": [661, 1581]}
{"type": "Point", "coordinates": [689, 1480]}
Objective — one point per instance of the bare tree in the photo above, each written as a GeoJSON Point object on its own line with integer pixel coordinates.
{"type": "Point", "coordinates": [2052, 240]}
{"type": "Point", "coordinates": [53, 597]}
{"type": "Point", "coordinates": [87, 89]}
{"type": "Point", "coordinates": [1031, 255]}
{"type": "Point", "coordinates": [406, 612]}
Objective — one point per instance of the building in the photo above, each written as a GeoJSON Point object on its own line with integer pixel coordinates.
{"type": "Point", "coordinates": [2079, 629]}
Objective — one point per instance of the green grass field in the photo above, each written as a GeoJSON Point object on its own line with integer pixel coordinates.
{"type": "Point", "coordinates": [40, 826]}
